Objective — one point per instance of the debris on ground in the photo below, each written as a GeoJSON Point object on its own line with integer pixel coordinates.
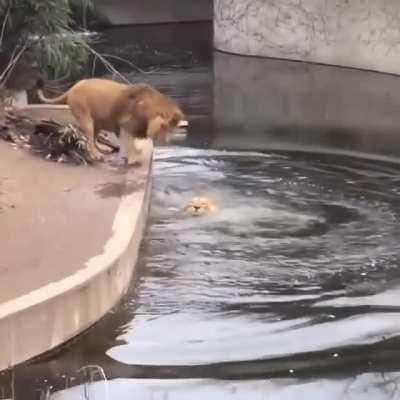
{"type": "Point", "coordinates": [56, 142]}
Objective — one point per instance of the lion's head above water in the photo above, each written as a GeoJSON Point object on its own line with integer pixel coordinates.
{"type": "Point", "coordinates": [198, 206]}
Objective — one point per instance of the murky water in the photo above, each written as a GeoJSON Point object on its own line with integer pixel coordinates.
{"type": "Point", "coordinates": [368, 386]}
{"type": "Point", "coordinates": [301, 246]}
{"type": "Point", "coordinates": [290, 290]}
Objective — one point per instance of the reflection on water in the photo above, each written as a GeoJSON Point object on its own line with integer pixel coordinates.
{"type": "Point", "coordinates": [367, 386]}
{"type": "Point", "coordinates": [299, 244]}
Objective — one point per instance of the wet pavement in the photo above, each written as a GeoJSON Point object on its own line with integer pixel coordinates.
{"type": "Point", "coordinates": [290, 290]}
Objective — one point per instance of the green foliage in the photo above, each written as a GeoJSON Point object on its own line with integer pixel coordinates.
{"type": "Point", "coordinates": [44, 27]}
{"type": "Point", "coordinates": [63, 53]}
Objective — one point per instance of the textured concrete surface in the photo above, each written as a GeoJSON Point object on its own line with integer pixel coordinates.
{"type": "Point", "coordinates": [124, 12]}
{"type": "Point", "coordinates": [355, 33]}
{"type": "Point", "coordinates": [69, 238]}
{"type": "Point", "coordinates": [281, 103]}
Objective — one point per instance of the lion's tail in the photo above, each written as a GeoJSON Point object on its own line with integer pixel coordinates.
{"type": "Point", "coordinates": [57, 100]}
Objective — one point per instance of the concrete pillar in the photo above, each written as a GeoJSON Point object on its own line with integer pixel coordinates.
{"type": "Point", "coordinates": [356, 33]}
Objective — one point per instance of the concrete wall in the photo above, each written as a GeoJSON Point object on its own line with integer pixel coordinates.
{"type": "Point", "coordinates": [126, 12]}
{"type": "Point", "coordinates": [357, 33]}
{"type": "Point", "coordinates": [264, 104]}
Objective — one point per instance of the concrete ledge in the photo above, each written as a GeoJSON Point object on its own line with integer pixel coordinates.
{"type": "Point", "coordinates": [56, 112]}
{"type": "Point", "coordinates": [77, 249]}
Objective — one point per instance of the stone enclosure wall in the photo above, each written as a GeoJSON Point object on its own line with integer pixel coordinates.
{"type": "Point", "coordinates": [356, 33]}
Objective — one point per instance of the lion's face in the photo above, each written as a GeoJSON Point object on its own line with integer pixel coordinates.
{"type": "Point", "coordinates": [199, 206]}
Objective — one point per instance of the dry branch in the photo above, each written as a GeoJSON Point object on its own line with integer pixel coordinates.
{"type": "Point", "coordinates": [62, 143]}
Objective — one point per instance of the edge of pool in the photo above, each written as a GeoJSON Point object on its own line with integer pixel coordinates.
{"type": "Point", "coordinates": [67, 307]}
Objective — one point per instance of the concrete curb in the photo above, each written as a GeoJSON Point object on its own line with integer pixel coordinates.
{"type": "Point", "coordinates": [45, 318]}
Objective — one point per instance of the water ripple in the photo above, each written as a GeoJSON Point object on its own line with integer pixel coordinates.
{"type": "Point", "coordinates": [301, 256]}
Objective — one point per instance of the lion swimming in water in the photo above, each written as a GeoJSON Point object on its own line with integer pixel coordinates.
{"type": "Point", "coordinates": [200, 205]}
